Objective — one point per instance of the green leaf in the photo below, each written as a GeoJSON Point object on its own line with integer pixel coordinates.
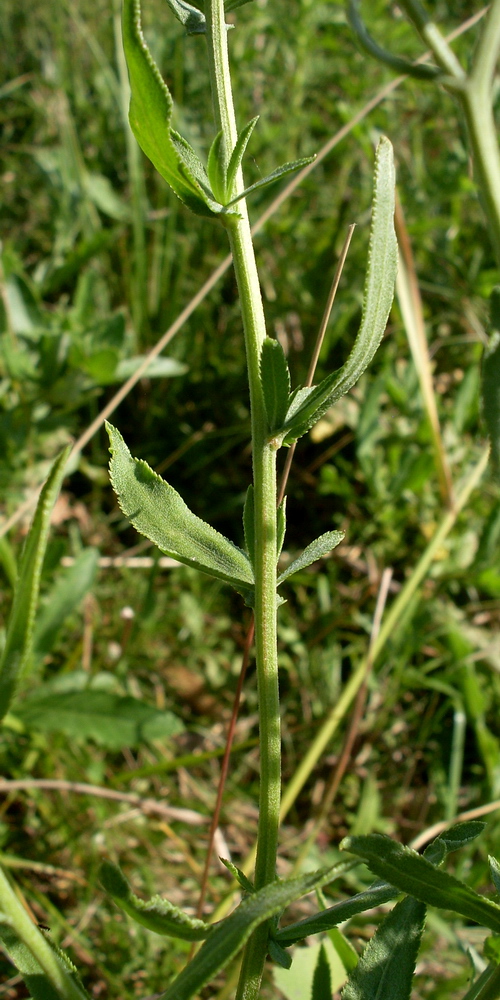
{"type": "Point", "coordinates": [490, 393]}
{"type": "Point", "coordinates": [111, 720]}
{"type": "Point", "coordinates": [230, 935]}
{"type": "Point", "coordinates": [16, 656]}
{"type": "Point", "coordinates": [234, 4]}
{"type": "Point", "coordinates": [32, 973]}
{"type": "Point", "coordinates": [239, 151]}
{"type": "Point", "coordinates": [494, 872]}
{"type": "Point", "coordinates": [249, 523]}
{"type": "Point", "coordinates": [287, 168]}
{"type": "Point", "coordinates": [316, 550]}
{"type": "Point", "coordinates": [322, 980]}
{"type": "Point", "coordinates": [63, 598]}
{"type": "Point", "coordinates": [275, 381]}
{"type": "Point", "coordinates": [192, 18]}
{"type": "Point", "coordinates": [278, 955]}
{"type": "Point", "coordinates": [240, 876]}
{"type": "Point", "coordinates": [376, 895]}
{"type": "Point", "coordinates": [215, 168]}
{"type": "Point", "coordinates": [150, 116]}
{"type": "Point", "coordinates": [413, 874]}
{"type": "Point", "coordinates": [280, 526]}
{"type": "Point", "coordinates": [159, 513]}
{"type": "Point", "coordinates": [157, 368]}
{"type": "Point", "coordinates": [377, 302]}
{"type": "Point", "coordinates": [387, 964]}
{"type": "Point", "coordinates": [383, 55]}
{"type": "Point", "coordinates": [156, 914]}
{"type": "Point", "coordinates": [452, 840]}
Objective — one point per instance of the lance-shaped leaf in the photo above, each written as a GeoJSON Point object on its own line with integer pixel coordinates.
{"type": "Point", "coordinates": [156, 914]}
{"type": "Point", "coordinates": [192, 18]}
{"type": "Point", "coordinates": [159, 513]}
{"type": "Point", "coordinates": [377, 302]}
{"type": "Point", "coordinates": [322, 979]}
{"type": "Point", "coordinates": [494, 872]}
{"type": "Point", "coordinates": [239, 152]}
{"type": "Point", "coordinates": [38, 984]}
{"type": "Point", "coordinates": [316, 550]}
{"type": "Point", "coordinates": [240, 876]}
{"type": "Point", "coordinates": [287, 168]}
{"type": "Point", "coordinates": [230, 935]}
{"type": "Point", "coordinates": [413, 874]}
{"type": "Point", "coordinates": [376, 895]}
{"type": "Point", "coordinates": [387, 964]}
{"type": "Point", "coordinates": [16, 656]}
{"type": "Point", "coordinates": [275, 380]}
{"type": "Point", "coordinates": [150, 116]}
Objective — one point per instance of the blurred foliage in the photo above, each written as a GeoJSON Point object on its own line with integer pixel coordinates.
{"type": "Point", "coordinates": [98, 258]}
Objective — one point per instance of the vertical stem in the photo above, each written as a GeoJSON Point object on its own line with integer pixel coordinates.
{"type": "Point", "coordinates": [264, 475]}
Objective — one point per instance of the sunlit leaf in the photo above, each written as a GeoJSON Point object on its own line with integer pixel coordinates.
{"type": "Point", "coordinates": [316, 550]}
{"type": "Point", "coordinates": [275, 380]}
{"type": "Point", "coordinates": [387, 964]}
{"type": "Point", "coordinates": [156, 914]}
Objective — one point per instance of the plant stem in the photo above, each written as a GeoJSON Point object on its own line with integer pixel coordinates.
{"type": "Point", "coordinates": [264, 476]}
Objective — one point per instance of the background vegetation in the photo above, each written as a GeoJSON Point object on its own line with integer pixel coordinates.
{"type": "Point", "coordinates": [98, 259]}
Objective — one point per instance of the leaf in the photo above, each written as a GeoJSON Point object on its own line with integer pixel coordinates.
{"type": "Point", "coordinates": [159, 513]}
{"type": "Point", "coordinates": [234, 4]}
{"type": "Point", "coordinates": [240, 876]}
{"type": "Point", "coordinates": [280, 526]}
{"type": "Point", "coordinates": [65, 595]}
{"type": "Point", "coordinates": [451, 840]}
{"type": "Point", "coordinates": [239, 150]}
{"type": "Point", "coordinates": [287, 168]}
{"type": "Point", "coordinates": [494, 872]}
{"type": "Point", "coordinates": [150, 116]}
{"type": "Point", "coordinates": [192, 18]}
{"type": "Point", "coordinates": [316, 550]}
{"type": "Point", "coordinates": [275, 381]}
{"type": "Point", "coordinates": [377, 302]}
{"type": "Point", "coordinates": [249, 523]}
{"type": "Point", "coordinates": [413, 874]}
{"type": "Point", "coordinates": [16, 655]}
{"type": "Point", "coordinates": [298, 984]}
{"type": "Point", "coordinates": [376, 895]}
{"type": "Point", "coordinates": [215, 168]}
{"type": "Point", "coordinates": [156, 914]}
{"type": "Point", "coordinates": [278, 955]}
{"type": "Point", "coordinates": [322, 980]}
{"type": "Point", "coordinates": [387, 964]}
{"type": "Point", "coordinates": [490, 393]}
{"type": "Point", "coordinates": [111, 720]}
{"type": "Point", "coordinates": [32, 973]}
{"type": "Point", "coordinates": [230, 935]}
{"type": "Point", "coordinates": [157, 368]}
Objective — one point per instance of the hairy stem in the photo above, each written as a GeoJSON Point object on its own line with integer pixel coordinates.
{"type": "Point", "coordinates": [264, 475]}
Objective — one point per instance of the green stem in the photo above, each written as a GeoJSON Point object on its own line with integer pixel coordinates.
{"type": "Point", "coordinates": [264, 476]}
{"type": "Point", "coordinates": [41, 950]}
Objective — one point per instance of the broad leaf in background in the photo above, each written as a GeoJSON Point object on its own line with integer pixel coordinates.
{"type": "Point", "coordinates": [297, 984]}
{"type": "Point", "coordinates": [230, 935]}
{"type": "Point", "coordinates": [316, 550]}
{"type": "Point", "coordinates": [387, 964]}
{"type": "Point", "coordinates": [413, 874]}
{"type": "Point", "coordinates": [159, 513]}
{"type": "Point", "coordinates": [156, 914]}
{"type": "Point", "coordinates": [150, 115]}
{"type": "Point", "coordinates": [322, 981]}
{"type": "Point", "coordinates": [16, 656]}
{"type": "Point", "coordinates": [275, 379]}
{"type": "Point", "coordinates": [377, 302]}
{"type": "Point", "coordinates": [111, 720]}
{"type": "Point", "coordinates": [63, 598]}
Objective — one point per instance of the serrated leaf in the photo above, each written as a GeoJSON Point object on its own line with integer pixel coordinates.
{"type": "Point", "coordinates": [192, 18]}
{"type": "Point", "coordinates": [377, 302]}
{"type": "Point", "coordinates": [37, 982]}
{"type": "Point", "coordinates": [156, 914]}
{"type": "Point", "coordinates": [230, 935]}
{"type": "Point", "coordinates": [112, 720]}
{"type": "Point", "coordinates": [275, 381]}
{"type": "Point", "coordinates": [452, 840]}
{"type": "Point", "coordinates": [16, 656]}
{"type": "Point", "coordinates": [322, 979]}
{"type": "Point", "coordinates": [287, 168]}
{"type": "Point", "coordinates": [280, 526]}
{"type": "Point", "coordinates": [316, 550]}
{"type": "Point", "coordinates": [490, 393]}
{"type": "Point", "coordinates": [387, 964]}
{"type": "Point", "coordinates": [413, 874]}
{"type": "Point", "coordinates": [215, 168]}
{"type": "Point", "coordinates": [376, 895]}
{"type": "Point", "coordinates": [240, 876]}
{"type": "Point", "coordinates": [239, 151]}
{"type": "Point", "coordinates": [159, 513]}
{"type": "Point", "coordinates": [494, 872]}
{"type": "Point", "coordinates": [150, 116]}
